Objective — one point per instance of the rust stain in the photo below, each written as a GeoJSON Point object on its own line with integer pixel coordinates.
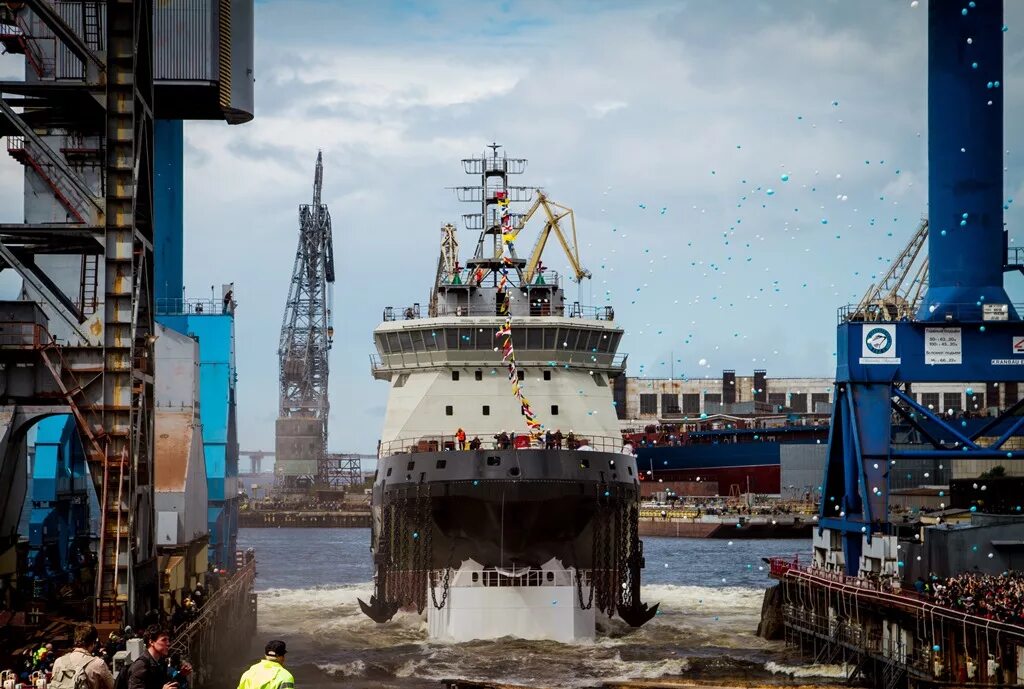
{"type": "Point", "coordinates": [173, 444]}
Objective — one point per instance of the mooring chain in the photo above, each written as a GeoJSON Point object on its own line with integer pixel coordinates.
{"type": "Point", "coordinates": [420, 569]}
{"type": "Point", "coordinates": [403, 551]}
{"type": "Point", "coordinates": [579, 591]}
{"type": "Point", "coordinates": [632, 554]}
{"type": "Point", "coordinates": [383, 544]}
{"type": "Point", "coordinates": [623, 552]}
{"type": "Point", "coordinates": [605, 581]}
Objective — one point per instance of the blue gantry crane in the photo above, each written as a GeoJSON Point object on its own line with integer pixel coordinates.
{"type": "Point", "coordinates": [966, 329]}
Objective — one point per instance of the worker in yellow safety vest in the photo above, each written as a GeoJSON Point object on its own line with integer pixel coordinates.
{"type": "Point", "coordinates": [269, 673]}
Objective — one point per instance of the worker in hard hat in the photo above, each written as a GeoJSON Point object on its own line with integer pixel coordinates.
{"type": "Point", "coordinates": [269, 673]}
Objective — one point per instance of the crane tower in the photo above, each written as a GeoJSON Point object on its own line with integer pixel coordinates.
{"type": "Point", "coordinates": [306, 337]}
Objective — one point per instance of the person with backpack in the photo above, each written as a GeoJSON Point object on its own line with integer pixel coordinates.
{"type": "Point", "coordinates": [80, 669]}
{"type": "Point", "coordinates": [149, 671]}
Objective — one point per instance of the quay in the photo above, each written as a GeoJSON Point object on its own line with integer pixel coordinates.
{"type": "Point", "coordinates": [678, 524]}
{"type": "Point", "coordinates": [887, 636]}
{"type": "Point", "coordinates": [272, 519]}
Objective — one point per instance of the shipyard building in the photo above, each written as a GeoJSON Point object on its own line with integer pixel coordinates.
{"type": "Point", "coordinates": [758, 434]}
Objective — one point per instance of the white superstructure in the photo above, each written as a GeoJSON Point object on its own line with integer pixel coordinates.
{"type": "Point", "coordinates": [446, 374]}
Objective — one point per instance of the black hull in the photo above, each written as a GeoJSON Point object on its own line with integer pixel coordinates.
{"type": "Point", "coordinates": [507, 509]}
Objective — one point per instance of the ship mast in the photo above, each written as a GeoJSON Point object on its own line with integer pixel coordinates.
{"type": "Point", "coordinates": [493, 170]}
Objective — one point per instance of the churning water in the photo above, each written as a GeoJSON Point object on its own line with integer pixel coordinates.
{"type": "Point", "coordinates": [710, 593]}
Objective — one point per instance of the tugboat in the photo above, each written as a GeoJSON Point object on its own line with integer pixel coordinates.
{"type": "Point", "coordinates": [504, 503]}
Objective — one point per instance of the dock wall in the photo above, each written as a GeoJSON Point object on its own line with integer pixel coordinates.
{"type": "Point", "coordinates": [890, 639]}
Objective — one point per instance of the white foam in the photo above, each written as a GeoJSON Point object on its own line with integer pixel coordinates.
{"type": "Point", "coordinates": [329, 627]}
{"type": "Point", "coordinates": [815, 671]}
{"type": "Point", "coordinates": [356, 668]}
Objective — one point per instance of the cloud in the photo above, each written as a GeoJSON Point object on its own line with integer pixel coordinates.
{"type": "Point", "coordinates": [694, 107]}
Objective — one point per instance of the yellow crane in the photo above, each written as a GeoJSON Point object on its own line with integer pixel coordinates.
{"type": "Point", "coordinates": [554, 214]}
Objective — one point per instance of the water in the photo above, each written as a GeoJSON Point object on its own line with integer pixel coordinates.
{"type": "Point", "coordinates": [710, 593]}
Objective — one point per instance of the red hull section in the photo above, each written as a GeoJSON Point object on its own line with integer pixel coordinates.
{"type": "Point", "coordinates": [763, 479]}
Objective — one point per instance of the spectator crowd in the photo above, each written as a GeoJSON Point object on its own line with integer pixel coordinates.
{"type": "Point", "coordinates": [997, 597]}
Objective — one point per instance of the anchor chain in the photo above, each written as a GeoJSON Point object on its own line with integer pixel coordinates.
{"type": "Point", "coordinates": [579, 591]}
{"type": "Point", "coordinates": [629, 547]}
{"type": "Point", "coordinates": [419, 577]}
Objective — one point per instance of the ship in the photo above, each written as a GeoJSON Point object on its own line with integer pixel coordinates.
{"type": "Point", "coordinates": [504, 502]}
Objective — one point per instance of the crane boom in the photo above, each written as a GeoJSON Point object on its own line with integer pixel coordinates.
{"type": "Point", "coordinates": [554, 214]}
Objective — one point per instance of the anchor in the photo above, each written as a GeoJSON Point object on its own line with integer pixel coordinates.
{"type": "Point", "coordinates": [637, 614]}
{"type": "Point", "coordinates": [378, 610]}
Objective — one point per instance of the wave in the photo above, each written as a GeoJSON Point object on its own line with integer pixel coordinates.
{"type": "Point", "coordinates": [809, 671]}
{"type": "Point", "coordinates": [696, 627]}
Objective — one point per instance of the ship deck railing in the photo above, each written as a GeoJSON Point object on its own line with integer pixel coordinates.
{"type": "Point", "coordinates": [481, 358]}
{"type": "Point", "coordinates": [664, 514]}
{"type": "Point", "coordinates": [197, 307]}
{"type": "Point", "coordinates": [885, 591]}
{"type": "Point", "coordinates": [488, 441]}
{"type": "Point", "coordinates": [957, 312]}
{"type": "Point", "coordinates": [572, 310]}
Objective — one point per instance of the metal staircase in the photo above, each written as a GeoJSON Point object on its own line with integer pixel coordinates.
{"type": "Point", "coordinates": [64, 189]}
{"type": "Point", "coordinates": [91, 25]}
{"type": "Point", "coordinates": [17, 39]}
{"type": "Point", "coordinates": [90, 284]}
{"type": "Point", "coordinates": [893, 674]}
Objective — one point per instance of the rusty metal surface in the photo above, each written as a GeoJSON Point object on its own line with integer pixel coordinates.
{"type": "Point", "coordinates": [173, 443]}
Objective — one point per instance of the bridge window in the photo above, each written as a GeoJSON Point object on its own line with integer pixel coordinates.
{"type": "Point", "coordinates": [479, 375]}
{"type": "Point", "coordinates": [455, 375]}
{"type": "Point", "coordinates": [547, 375]}
{"type": "Point", "coordinates": [448, 411]}
{"type": "Point", "coordinates": [648, 404]}
{"type": "Point", "coordinates": [554, 410]}
{"type": "Point", "coordinates": [486, 410]}
{"type": "Point", "coordinates": [952, 400]}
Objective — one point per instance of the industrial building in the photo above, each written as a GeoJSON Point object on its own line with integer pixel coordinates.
{"type": "Point", "coordinates": [673, 400]}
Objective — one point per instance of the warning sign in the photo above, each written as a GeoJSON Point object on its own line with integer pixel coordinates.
{"type": "Point", "coordinates": [1018, 345]}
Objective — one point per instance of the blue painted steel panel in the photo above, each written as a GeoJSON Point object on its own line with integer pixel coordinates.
{"type": "Point", "coordinates": [169, 210]}
{"type": "Point", "coordinates": [58, 526]}
{"type": "Point", "coordinates": [966, 239]}
{"type": "Point", "coordinates": [710, 456]}
{"type": "Point", "coordinates": [987, 355]}
{"type": "Point", "coordinates": [217, 377]}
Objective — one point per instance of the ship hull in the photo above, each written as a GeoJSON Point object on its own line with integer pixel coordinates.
{"type": "Point", "coordinates": [524, 543]}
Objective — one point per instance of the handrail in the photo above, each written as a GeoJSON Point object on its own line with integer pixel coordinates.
{"type": "Point", "coordinates": [870, 590]}
{"type": "Point", "coordinates": [570, 310]}
{"type": "Point", "coordinates": [972, 311]}
{"type": "Point", "coordinates": [242, 578]}
{"type": "Point", "coordinates": [488, 441]}
{"type": "Point", "coordinates": [444, 358]}
{"type": "Point", "coordinates": [182, 307]}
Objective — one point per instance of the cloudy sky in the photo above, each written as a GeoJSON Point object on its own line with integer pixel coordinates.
{"type": "Point", "coordinates": [663, 124]}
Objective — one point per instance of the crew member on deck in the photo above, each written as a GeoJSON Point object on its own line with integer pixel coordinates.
{"type": "Point", "coordinates": [460, 439]}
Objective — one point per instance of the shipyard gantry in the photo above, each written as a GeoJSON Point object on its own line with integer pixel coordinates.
{"type": "Point", "coordinates": [107, 86]}
{"type": "Point", "coordinates": [941, 318]}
